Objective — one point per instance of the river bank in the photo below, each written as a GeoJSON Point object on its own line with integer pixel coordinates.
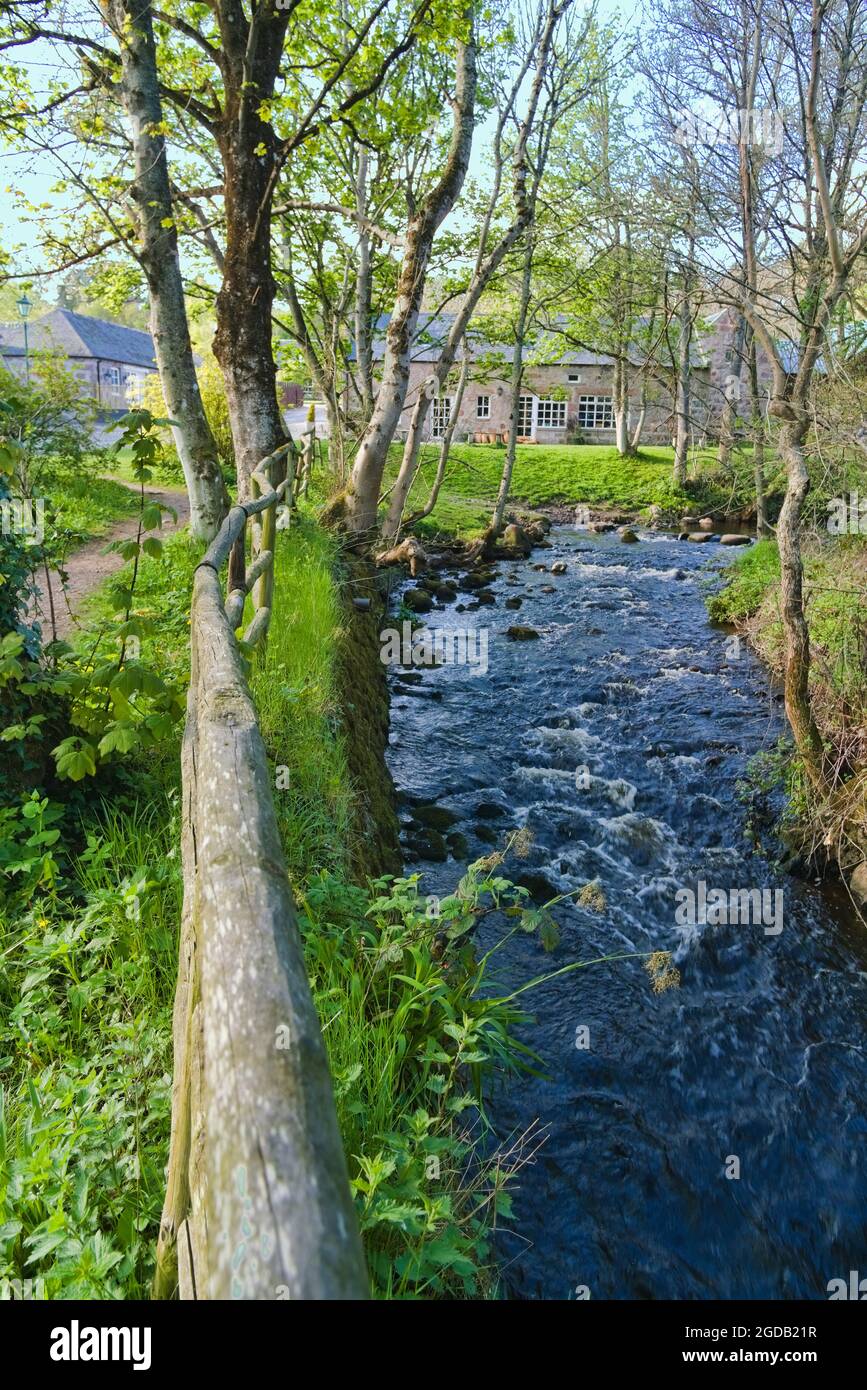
{"type": "Point", "coordinates": [829, 832]}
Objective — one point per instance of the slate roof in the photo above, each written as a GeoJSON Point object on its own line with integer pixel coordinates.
{"type": "Point", "coordinates": [80, 336]}
{"type": "Point", "coordinates": [432, 331]}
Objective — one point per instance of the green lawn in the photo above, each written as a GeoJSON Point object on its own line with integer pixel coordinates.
{"type": "Point", "coordinates": [550, 474]}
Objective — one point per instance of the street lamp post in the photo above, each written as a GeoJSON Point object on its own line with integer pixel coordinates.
{"type": "Point", "coordinates": [24, 307]}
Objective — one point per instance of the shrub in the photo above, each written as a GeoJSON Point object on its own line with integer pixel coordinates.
{"type": "Point", "coordinates": [213, 394]}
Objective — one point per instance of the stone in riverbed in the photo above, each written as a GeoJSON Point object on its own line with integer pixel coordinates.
{"type": "Point", "coordinates": [459, 846]}
{"type": "Point", "coordinates": [486, 597]}
{"type": "Point", "coordinates": [706, 523]}
{"type": "Point", "coordinates": [858, 883]}
{"type": "Point", "coordinates": [490, 810]}
{"type": "Point", "coordinates": [698, 536]}
{"type": "Point", "coordinates": [429, 844]}
{"type": "Point", "coordinates": [515, 538]}
{"type": "Point", "coordinates": [514, 602]}
{"type": "Point", "coordinates": [418, 600]}
{"type": "Point", "coordinates": [521, 634]}
{"type": "Point", "coordinates": [560, 567]}
{"type": "Point", "coordinates": [434, 817]}
{"type": "Point", "coordinates": [734, 539]}
{"type": "Point", "coordinates": [627, 534]}
{"type": "Point", "coordinates": [478, 579]}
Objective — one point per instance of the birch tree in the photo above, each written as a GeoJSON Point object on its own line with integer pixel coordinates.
{"type": "Point", "coordinates": [131, 22]}
{"type": "Point", "coordinates": [362, 494]}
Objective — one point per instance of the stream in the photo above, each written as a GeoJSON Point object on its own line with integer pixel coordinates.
{"type": "Point", "coordinates": [706, 1142]}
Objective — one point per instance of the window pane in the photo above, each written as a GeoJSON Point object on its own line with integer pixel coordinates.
{"type": "Point", "coordinates": [595, 412]}
{"type": "Point", "coordinates": [441, 409]}
{"type": "Point", "coordinates": [552, 414]}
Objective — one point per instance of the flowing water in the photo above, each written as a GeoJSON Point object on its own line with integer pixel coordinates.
{"type": "Point", "coordinates": [759, 1055]}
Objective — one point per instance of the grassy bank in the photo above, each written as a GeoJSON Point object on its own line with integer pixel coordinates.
{"type": "Point", "coordinates": [90, 952]}
{"type": "Point", "coordinates": [568, 475]}
{"type": "Point", "coordinates": [835, 587]}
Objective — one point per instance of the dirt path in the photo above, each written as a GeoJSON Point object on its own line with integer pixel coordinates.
{"type": "Point", "coordinates": [87, 567]}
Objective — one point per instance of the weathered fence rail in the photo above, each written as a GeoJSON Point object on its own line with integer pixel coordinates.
{"type": "Point", "coordinates": [257, 1204]}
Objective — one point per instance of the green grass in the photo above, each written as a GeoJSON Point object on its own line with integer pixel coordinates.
{"type": "Point", "coordinates": [748, 580]}
{"type": "Point", "coordinates": [89, 506]}
{"type": "Point", "coordinates": [298, 701]}
{"type": "Point", "coordinates": [564, 474]}
{"type": "Point", "coordinates": [86, 997]}
{"type": "Point", "coordinates": [835, 592]}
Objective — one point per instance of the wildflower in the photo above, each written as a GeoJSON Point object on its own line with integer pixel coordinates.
{"type": "Point", "coordinates": [662, 973]}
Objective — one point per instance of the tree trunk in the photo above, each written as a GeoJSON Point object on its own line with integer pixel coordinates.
{"type": "Point", "coordinates": [364, 484]}
{"type": "Point", "coordinates": [642, 416]}
{"type": "Point", "coordinates": [757, 431]}
{"type": "Point", "coordinates": [682, 406]}
{"type": "Point", "coordinates": [139, 87]}
{"type": "Point", "coordinates": [496, 525]}
{"type": "Point", "coordinates": [485, 265]}
{"type": "Point", "coordinates": [363, 326]}
{"type": "Point", "coordinates": [797, 636]}
{"type": "Point", "coordinates": [409, 461]}
{"type": "Point", "coordinates": [242, 343]}
{"type": "Point", "coordinates": [732, 391]}
{"type": "Point", "coordinates": [621, 407]}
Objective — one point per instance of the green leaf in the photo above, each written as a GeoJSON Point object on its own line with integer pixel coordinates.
{"type": "Point", "coordinates": [119, 738]}
{"type": "Point", "coordinates": [75, 759]}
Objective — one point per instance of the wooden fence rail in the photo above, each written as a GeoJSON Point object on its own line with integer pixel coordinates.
{"type": "Point", "coordinates": [257, 1204]}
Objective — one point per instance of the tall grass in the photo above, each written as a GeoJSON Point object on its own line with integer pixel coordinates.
{"type": "Point", "coordinates": [298, 701]}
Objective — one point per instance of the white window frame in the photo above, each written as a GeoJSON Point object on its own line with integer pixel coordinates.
{"type": "Point", "coordinates": [596, 412]}
{"type": "Point", "coordinates": [526, 416]}
{"type": "Point", "coordinates": [440, 414]}
{"type": "Point", "coordinates": [111, 377]}
{"type": "Point", "coordinates": [550, 413]}
{"type": "Point", "coordinates": [483, 407]}
{"type": "Point", "coordinates": [134, 384]}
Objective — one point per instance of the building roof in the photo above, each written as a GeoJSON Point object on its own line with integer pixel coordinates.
{"type": "Point", "coordinates": [80, 336]}
{"type": "Point", "coordinates": [432, 330]}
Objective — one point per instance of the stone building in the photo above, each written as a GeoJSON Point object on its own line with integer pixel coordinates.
{"type": "Point", "coordinates": [569, 399]}
{"type": "Point", "coordinates": [110, 361]}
